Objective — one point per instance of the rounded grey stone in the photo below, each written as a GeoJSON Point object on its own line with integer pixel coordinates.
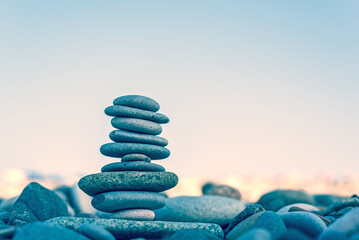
{"type": "Point", "coordinates": [45, 231]}
{"type": "Point", "coordinates": [307, 222]}
{"type": "Point", "coordinates": [123, 111]}
{"type": "Point", "coordinates": [135, 157]}
{"type": "Point", "coordinates": [272, 222]}
{"type": "Point", "coordinates": [304, 206]}
{"type": "Point", "coordinates": [95, 232]}
{"type": "Point", "coordinates": [243, 226]}
{"type": "Point", "coordinates": [127, 181]}
{"type": "Point", "coordinates": [121, 149]}
{"type": "Point", "coordinates": [214, 209]}
{"type": "Point", "coordinates": [135, 214]}
{"type": "Point", "coordinates": [257, 234]}
{"type": "Point", "coordinates": [137, 101]}
{"type": "Point", "coordinates": [136, 125]}
{"type": "Point", "coordinates": [247, 212]}
{"type": "Point", "coordinates": [128, 229]}
{"type": "Point", "coordinates": [221, 190]}
{"type": "Point", "coordinates": [131, 137]}
{"type": "Point", "coordinates": [132, 166]}
{"type": "Point", "coordinates": [342, 203]}
{"type": "Point", "coordinates": [120, 200]}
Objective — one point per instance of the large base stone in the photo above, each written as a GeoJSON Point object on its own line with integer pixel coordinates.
{"type": "Point", "coordinates": [127, 229]}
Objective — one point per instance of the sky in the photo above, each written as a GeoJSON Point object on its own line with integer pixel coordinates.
{"type": "Point", "coordinates": [250, 87]}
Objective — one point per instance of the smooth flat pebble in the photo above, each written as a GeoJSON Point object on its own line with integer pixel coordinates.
{"type": "Point", "coordinates": [306, 222]}
{"type": "Point", "coordinates": [120, 200]}
{"type": "Point", "coordinates": [123, 111]}
{"type": "Point", "coordinates": [95, 232]}
{"type": "Point", "coordinates": [137, 101]}
{"type": "Point", "coordinates": [121, 149]}
{"type": "Point", "coordinates": [247, 212]}
{"type": "Point", "coordinates": [36, 203]}
{"type": "Point", "coordinates": [128, 229]}
{"type": "Point", "coordinates": [347, 224]}
{"type": "Point", "coordinates": [135, 157]}
{"type": "Point", "coordinates": [221, 190]}
{"type": "Point", "coordinates": [135, 214]}
{"type": "Point", "coordinates": [97, 183]}
{"type": "Point", "coordinates": [272, 222]}
{"type": "Point", "coordinates": [207, 209]}
{"type": "Point", "coordinates": [340, 204]}
{"type": "Point", "coordinates": [257, 234]}
{"type": "Point", "coordinates": [132, 166]}
{"type": "Point", "coordinates": [192, 234]}
{"type": "Point", "coordinates": [132, 137]}
{"type": "Point", "coordinates": [304, 206]}
{"type": "Point", "coordinates": [277, 199]}
{"type": "Point", "coordinates": [46, 231]}
{"type": "Point", "coordinates": [136, 125]}
{"type": "Point", "coordinates": [243, 226]}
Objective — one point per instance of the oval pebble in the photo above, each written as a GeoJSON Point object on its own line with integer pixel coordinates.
{"type": "Point", "coordinates": [120, 200]}
{"type": "Point", "coordinates": [97, 183]}
{"type": "Point", "coordinates": [123, 111]}
{"type": "Point", "coordinates": [137, 101]}
{"type": "Point", "coordinates": [132, 137]}
{"type": "Point", "coordinates": [121, 149]}
{"type": "Point", "coordinates": [135, 157]}
{"type": "Point", "coordinates": [132, 166]}
{"type": "Point", "coordinates": [304, 206]}
{"type": "Point", "coordinates": [340, 204]}
{"type": "Point", "coordinates": [307, 222]}
{"type": "Point", "coordinates": [136, 125]}
{"type": "Point", "coordinates": [255, 233]}
{"type": "Point", "coordinates": [135, 214]}
{"type": "Point", "coordinates": [95, 232]}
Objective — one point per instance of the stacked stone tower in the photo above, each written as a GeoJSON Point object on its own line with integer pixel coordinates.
{"type": "Point", "coordinates": [130, 188]}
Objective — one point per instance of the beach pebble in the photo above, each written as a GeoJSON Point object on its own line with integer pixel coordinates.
{"type": "Point", "coordinates": [128, 229]}
{"type": "Point", "coordinates": [304, 206]}
{"type": "Point", "coordinates": [306, 222]}
{"type": "Point", "coordinates": [120, 200]}
{"type": "Point", "coordinates": [325, 199]}
{"type": "Point", "coordinates": [119, 150]}
{"type": "Point", "coordinates": [243, 226]}
{"type": "Point", "coordinates": [192, 234]}
{"type": "Point", "coordinates": [132, 166]}
{"type": "Point", "coordinates": [272, 222]}
{"type": "Point", "coordinates": [136, 125]}
{"type": "Point", "coordinates": [132, 137]}
{"type": "Point", "coordinates": [123, 111]}
{"type": "Point", "coordinates": [127, 181]}
{"type": "Point", "coordinates": [206, 209]}
{"type": "Point", "coordinates": [247, 212]}
{"type": "Point", "coordinates": [340, 204]}
{"type": "Point", "coordinates": [95, 232]}
{"type": "Point", "coordinates": [294, 234]}
{"type": "Point", "coordinates": [37, 203]}
{"type": "Point", "coordinates": [135, 214]}
{"type": "Point", "coordinates": [277, 199]}
{"type": "Point", "coordinates": [135, 157]}
{"type": "Point", "coordinates": [5, 216]}
{"type": "Point", "coordinates": [44, 231]}
{"type": "Point", "coordinates": [220, 190]}
{"type": "Point", "coordinates": [137, 101]}
{"type": "Point", "coordinates": [257, 234]}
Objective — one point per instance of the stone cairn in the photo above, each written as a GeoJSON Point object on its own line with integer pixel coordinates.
{"type": "Point", "coordinates": [130, 189]}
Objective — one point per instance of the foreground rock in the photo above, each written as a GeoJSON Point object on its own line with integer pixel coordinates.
{"type": "Point", "coordinates": [208, 209]}
{"type": "Point", "coordinates": [127, 229]}
{"type": "Point", "coordinates": [36, 203]}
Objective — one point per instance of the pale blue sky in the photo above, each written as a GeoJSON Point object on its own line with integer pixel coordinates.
{"type": "Point", "coordinates": [250, 86]}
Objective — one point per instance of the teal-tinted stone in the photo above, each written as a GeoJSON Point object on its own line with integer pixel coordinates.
{"type": "Point", "coordinates": [123, 111]}
{"type": "Point", "coordinates": [137, 101]}
{"type": "Point", "coordinates": [127, 181]}
{"type": "Point", "coordinates": [95, 232]}
{"type": "Point", "coordinates": [132, 166]}
{"type": "Point", "coordinates": [121, 149]}
{"type": "Point", "coordinates": [132, 137]}
{"type": "Point", "coordinates": [136, 125]}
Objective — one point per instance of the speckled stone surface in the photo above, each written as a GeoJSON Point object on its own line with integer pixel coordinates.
{"type": "Point", "coordinates": [127, 229]}
{"type": "Point", "coordinates": [272, 222]}
{"type": "Point", "coordinates": [247, 212]}
{"type": "Point", "coordinates": [131, 137]}
{"type": "Point", "coordinates": [135, 157]}
{"type": "Point", "coordinates": [340, 204]}
{"type": "Point", "coordinates": [210, 209]}
{"type": "Point", "coordinates": [123, 111]}
{"type": "Point", "coordinates": [121, 149]}
{"type": "Point", "coordinates": [119, 200]}
{"type": "Point", "coordinates": [137, 101]}
{"type": "Point", "coordinates": [122, 181]}
{"type": "Point", "coordinates": [304, 206]}
{"type": "Point", "coordinates": [135, 214]}
{"type": "Point", "coordinates": [243, 226]}
{"type": "Point", "coordinates": [136, 125]}
{"type": "Point", "coordinates": [95, 232]}
{"type": "Point", "coordinates": [132, 166]}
